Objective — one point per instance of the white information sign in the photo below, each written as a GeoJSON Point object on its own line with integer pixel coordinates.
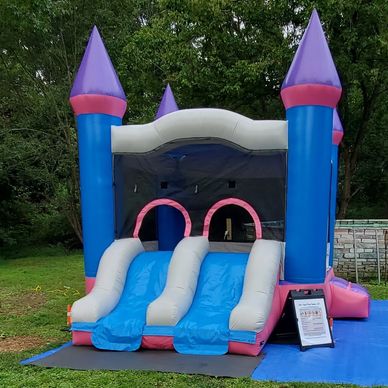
{"type": "Point", "coordinates": [313, 324]}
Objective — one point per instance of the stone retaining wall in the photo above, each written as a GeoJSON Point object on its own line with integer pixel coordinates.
{"type": "Point", "coordinates": [361, 240]}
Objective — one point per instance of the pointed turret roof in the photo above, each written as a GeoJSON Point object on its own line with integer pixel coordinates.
{"type": "Point", "coordinates": [337, 125]}
{"type": "Point", "coordinates": [168, 104]}
{"type": "Point", "coordinates": [96, 74]}
{"type": "Point", "coordinates": [313, 63]}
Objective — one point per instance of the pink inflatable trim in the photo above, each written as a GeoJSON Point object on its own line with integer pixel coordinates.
{"type": "Point", "coordinates": [95, 103]}
{"type": "Point", "coordinates": [157, 342]}
{"type": "Point", "coordinates": [232, 201]}
{"type": "Point", "coordinates": [337, 137]}
{"type": "Point", "coordinates": [310, 94]}
{"type": "Point", "coordinates": [89, 284]}
{"type": "Point", "coordinates": [159, 202]}
{"type": "Point", "coordinates": [81, 338]}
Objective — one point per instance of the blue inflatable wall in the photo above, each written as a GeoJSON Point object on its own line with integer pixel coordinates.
{"type": "Point", "coordinates": [309, 160]}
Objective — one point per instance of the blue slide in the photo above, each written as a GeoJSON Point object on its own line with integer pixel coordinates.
{"type": "Point", "coordinates": [205, 327]}
{"type": "Point", "coordinates": [122, 329]}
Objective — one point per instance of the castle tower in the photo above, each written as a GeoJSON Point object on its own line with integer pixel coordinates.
{"type": "Point", "coordinates": [170, 222]}
{"type": "Point", "coordinates": [310, 92]}
{"type": "Point", "coordinates": [168, 104]}
{"type": "Point", "coordinates": [98, 101]}
{"type": "Point", "coordinates": [338, 134]}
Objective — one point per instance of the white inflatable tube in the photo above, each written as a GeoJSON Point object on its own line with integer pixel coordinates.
{"type": "Point", "coordinates": [181, 283]}
{"type": "Point", "coordinates": [201, 123]}
{"type": "Point", "coordinates": [261, 275]}
{"type": "Point", "coordinates": [110, 281]}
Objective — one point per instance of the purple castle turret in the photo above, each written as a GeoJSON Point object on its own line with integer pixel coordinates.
{"type": "Point", "coordinates": [98, 101]}
{"type": "Point", "coordinates": [168, 104]}
{"type": "Point", "coordinates": [310, 92]}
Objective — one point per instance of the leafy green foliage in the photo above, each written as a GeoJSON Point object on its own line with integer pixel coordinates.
{"type": "Point", "coordinates": [225, 53]}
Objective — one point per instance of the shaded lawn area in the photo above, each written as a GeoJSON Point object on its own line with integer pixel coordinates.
{"type": "Point", "coordinates": [35, 291]}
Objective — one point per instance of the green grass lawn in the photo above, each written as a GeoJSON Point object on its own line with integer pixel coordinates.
{"type": "Point", "coordinates": [35, 291]}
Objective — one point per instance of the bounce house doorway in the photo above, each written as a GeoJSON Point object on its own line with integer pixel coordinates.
{"type": "Point", "coordinates": [164, 222]}
{"type": "Point", "coordinates": [232, 220]}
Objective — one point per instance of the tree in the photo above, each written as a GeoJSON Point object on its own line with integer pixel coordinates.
{"type": "Point", "coordinates": [358, 39]}
{"type": "Point", "coordinates": [225, 53]}
{"type": "Point", "coordinates": [42, 43]}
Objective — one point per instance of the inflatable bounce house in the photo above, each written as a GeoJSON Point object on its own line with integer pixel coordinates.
{"type": "Point", "coordinates": [197, 225]}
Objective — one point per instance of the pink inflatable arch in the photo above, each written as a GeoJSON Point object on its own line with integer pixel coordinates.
{"type": "Point", "coordinates": [237, 202]}
{"type": "Point", "coordinates": [159, 202]}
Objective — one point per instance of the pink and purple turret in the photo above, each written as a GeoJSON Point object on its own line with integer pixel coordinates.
{"type": "Point", "coordinates": [96, 88]}
{"type": "Point", "coordinates": [168, 103]}
{"type": "Point", "coordinates": [98, 101]}
{"type": "Point", "coordinates": [312, 78]}
{"type": "Point", "coordinates": [310, 93]}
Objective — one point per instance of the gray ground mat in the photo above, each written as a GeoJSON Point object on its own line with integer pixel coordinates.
{"type": "Point", "coordinates": [87, 357]}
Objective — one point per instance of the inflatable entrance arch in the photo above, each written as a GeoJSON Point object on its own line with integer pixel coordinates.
{"type": "Point", "coordinates": [160, 202]}
{"type": "Point", "coordinates": [237, 202]}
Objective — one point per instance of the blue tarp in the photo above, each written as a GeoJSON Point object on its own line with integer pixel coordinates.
{"type": "Point", "coordinates": [360, 355]}
{"type": "Point", "coordinates": [205, 327]}
{"type": "Point", "coordinates": [122, 329]}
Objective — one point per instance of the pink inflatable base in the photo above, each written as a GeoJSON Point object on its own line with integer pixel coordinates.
{"type": "Point", "coordinates": [348, 300]}
{"type": "Point", "coordinates": [343, 299]}
{"type": "Point", "coordinates": [81, 338]}
{"type": "Point", "coordinates": [163, 342]}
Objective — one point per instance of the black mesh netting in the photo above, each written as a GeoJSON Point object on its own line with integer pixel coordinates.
{"type": "Point", "coordinates": [197, 176]}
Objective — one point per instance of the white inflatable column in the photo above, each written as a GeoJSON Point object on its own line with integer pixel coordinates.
{"type": "Point", "coordinates": [261, 276]}
{"type": "Point", "coordinates": [182, 278]}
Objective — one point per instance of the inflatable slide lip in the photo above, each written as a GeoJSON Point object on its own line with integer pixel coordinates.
{"type": "Point", "coordinates": [110, 281]}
